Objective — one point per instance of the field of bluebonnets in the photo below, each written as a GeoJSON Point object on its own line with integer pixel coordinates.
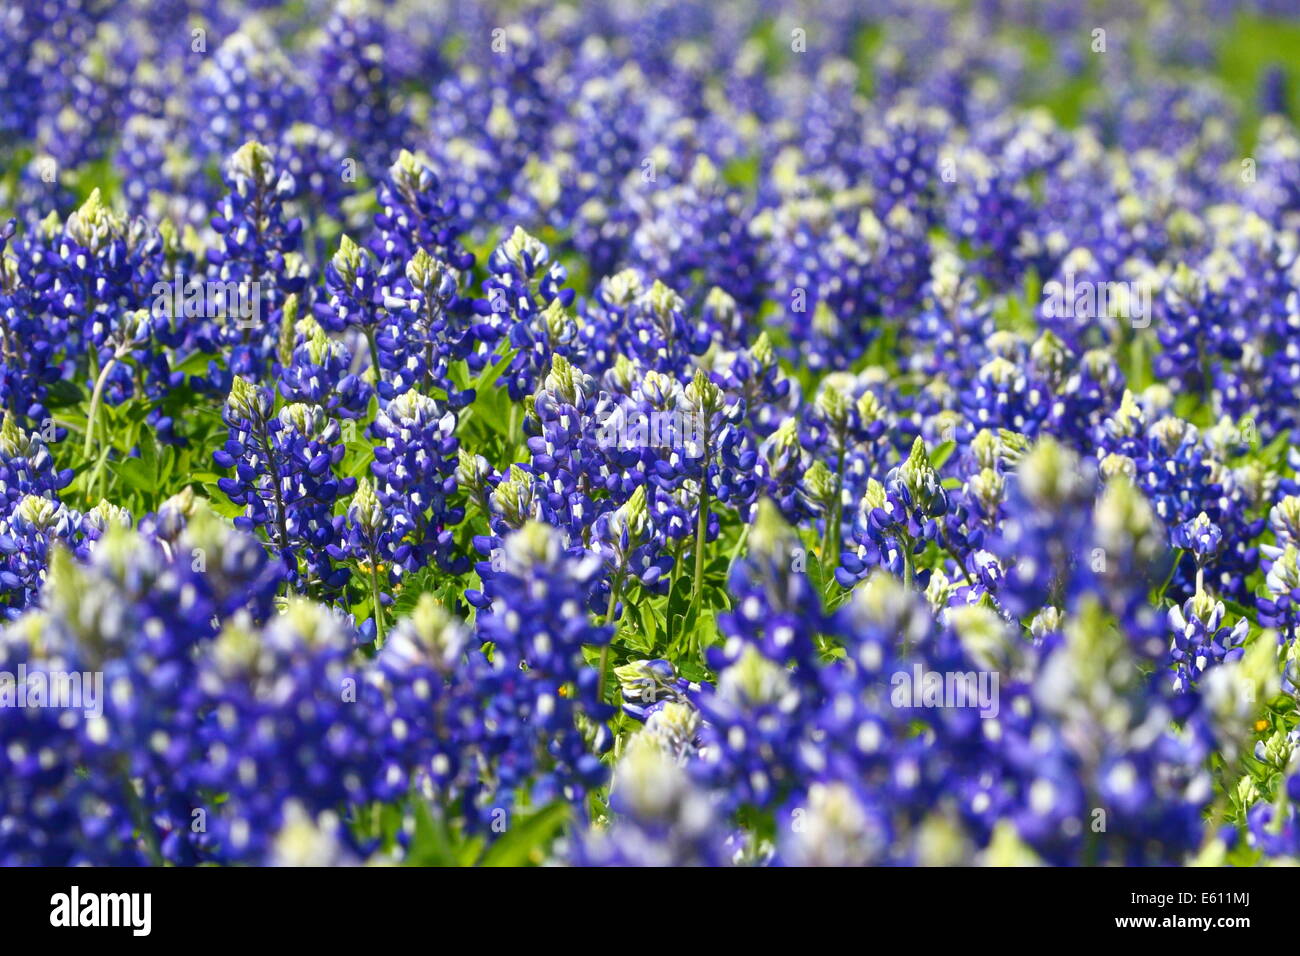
{"type": "Point", "coordinates": [649, 433]}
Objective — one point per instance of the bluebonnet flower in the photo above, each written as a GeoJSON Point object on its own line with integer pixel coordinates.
{"type": "Point", "coordinates": [782, 465]}
{"type": "Point", "coordinates": [27, 26]}
{"type": "Point", "coordinates": [415, 475]}
{"type": "Point", "coordinates": [664, 818]}
{"type": "Point", "coordinates": [896, 519]}
{"type": "Point", "coordinates": [776, 607]}
{"type": "Point", "coordinates": [68, 817]}
{"type": "Point", "coordinates": [323, 174]}
{"type": "Point", "coordinates": [1041, 544]}
{"type": "Point", "coordinates": [1281, 608]}
{"type": "Point", "coordinates": [284, 477]}
{"type": "Point", "coordinates": [415, 215]}
{"type": "Point", "coordinates": [246, 89]}
{"type": "Point", "coordinates": [993, 210]}
{"type": "Point", "coordinates": [1201, 638]}
{"type": "Point", "coordinates": [512, 502]}
{"type": "Point", "coordinates": [577, 451]}
{"type": "Point", "coordinates": [1201, 536]}
{"type": "Point", "coordinates": [425, 329]}
{"type": "Point", "coordinates": [720, 453]}
{"type": "Point", "coordinates": [479, 159]}
{"type": "Point", "coordinates": [289, 721]}
{"type": "Point", "coordinates": [1129, 555]}
{"type": "Point", "coordinates": [526, 302]}
{"type": "Point", "coordinates": [32, 526]}
{"type": "Point", "coordinates": [306, 841]}
{"type": "Point", "coordinates": [630, 546]}
{"type": "Point", "coordinates": [753, 373]}
{"type": "Point", "coordinates": [259, 245]}
{"type": "Point", "coordinates": [229, 569]}
{"type": "Point", "coordinates": [30, 368]}
{"type": "Point", "coordinates": [904, 149]}
{"type": "Point", "coordinates": [696, 225]}
{"type": "Point", "coordinates": [753, 731]}
{"type": "Point", "coordinates": [599, 142]}
{"type": "Point", "coordinates": [953, 319]}
{"type": "Point", "coordinates": [1003, 396]}
{"type": "Point", "coordinates": [425, 673]}
{"type": "Point", "coordinates": [158, 171]}
{"type": "Point", "coordinates": [84, 96]}
{"type": "Point", "coordinates": [648, 686]}
{"type": "Point", "coordinates": [26, 466]}
{"type": "Point", "coordinates": [1152, 786]}
{"type": "Point", "coordinates": [371, 536]}
{"type": "Point", "coordinates": [97, 522]}
{"type": "Point", "coordinates": [318, 369]}
{"type": "Point", "coordinates": [844, 428]}
{"type": "Point", "coordinates": [545, 699]}
{"type": "Point", "coordinates": [358, 97]}
{"type": "Point", "coordinates": [1192, 321]}
{"type": "Point", "coordinates": [1177, 472]}
{"type": "Point", "coordinates": [832, 825]}
{"type": "Point", "coordinates": [139, 616]}
{"type": "Point", "coordinates": [644, 322]}
{"type": "Point", "coordinates": [86, 272]}
{"type": "Point", "coordinates": [832, 272]}
{"type": "Point", "coordinates": [355, 296]}
{"type": "Point", "coordinates": [725, 290]}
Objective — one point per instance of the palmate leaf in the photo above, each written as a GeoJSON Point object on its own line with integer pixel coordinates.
{"type": "Point", "coordinates": [423, 581]}
{"type": "Point", "coordinates": [639, 628]}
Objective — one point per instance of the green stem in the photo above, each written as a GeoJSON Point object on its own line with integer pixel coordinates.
{"type": "Point", "coordinates": [374, 351]}
{"type": "Point", "coordinates": [740, 546]}
{"type": "Point", "coordinates": [273, 466]}
{"type": "Point", "coordinates": [701, 532]}
{"type": "Point", "coordinates": [673, 575]}
{"type": "Point", "coordinates": [140, 815]}
{"type": "Point", "coordinates": [374, 596]}
{"type": "Point", "coordinates": [697, 590]}
{"type": "Point", "coordinates": [1173, 569]}
{"type": "Point", "coordinates": [514, 424]}
{"type": "Point", "coordinates": [907, 560]}
{"type": "Point", "coordinates": [95, 397]}
{"type": "Point", "coordinates": [947, 546]}
{"type": "Point", "coordinates": [609, 619]}
{"type": "Point", "coordinates": [677, 569]}
{"type": "Point", "coordinates": [613, 600]}
{"type": "Point", "coordinates": [831, 544]}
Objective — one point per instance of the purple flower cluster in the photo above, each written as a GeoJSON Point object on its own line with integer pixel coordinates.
{"type": "Point", "coordinates": [633, 428]}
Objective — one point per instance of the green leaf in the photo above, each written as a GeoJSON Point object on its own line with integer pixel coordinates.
{"type": "Point", "coordinates": [220, 503]}
{"type": "Point", "coordinates": [431, 843]}
{"type": "Point", "coordinates": [423, 581]}
{"type": "Point", "coordinates": [136, 474]}
{"type": "Point", "coordinates": [63, 393]}
{"type": "Point", "coordinates": [357, 458]}
{"type": "Point", "coordinates": [942, 453]}
{"type": "Point", "coordinates": [693, 671]}
{"type": "Point", "coordinates": [640, 631]}
{"type": "Point", "coordinates": [527, 841]}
